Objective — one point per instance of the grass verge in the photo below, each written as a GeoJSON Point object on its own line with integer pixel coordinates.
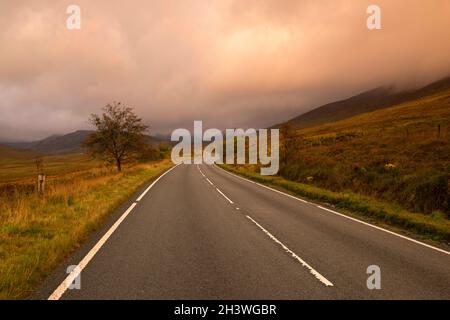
{"type": "Point", "coordinates": [37, 233]}
{"type": "Point", "coordinates": [435, 227]}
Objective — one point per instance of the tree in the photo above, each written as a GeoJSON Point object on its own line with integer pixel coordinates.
{"type": "Point", "coordinates": [119, 136]}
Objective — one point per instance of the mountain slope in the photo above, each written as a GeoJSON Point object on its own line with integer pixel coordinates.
{"type": "Point", "coordinates": [399, 154]}
{"type": "Point", "coordinates": [68, 143]}
{"type": "Point", "coordinates": [7, 152]}
{"type": "Point", "coordinates": [376, 99]}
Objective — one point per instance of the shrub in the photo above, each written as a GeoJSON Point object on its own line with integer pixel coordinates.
{"type": "Point", "coordinates": [430, 192]}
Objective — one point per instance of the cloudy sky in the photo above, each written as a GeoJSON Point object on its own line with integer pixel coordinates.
{"type": "Point", "coordinates": [231, 63]}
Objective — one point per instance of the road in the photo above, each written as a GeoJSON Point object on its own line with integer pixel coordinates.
{"type": "Point", "coordinates": [200, 232]}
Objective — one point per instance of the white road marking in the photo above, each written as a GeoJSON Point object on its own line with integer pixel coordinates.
{"type": "Point", "coordinates": [345, 216]}
{"type": "Point", "coordinates": [385, 230]}
{"type": "Point", "coordinates": [209, 181]}
{"type": "Point", "coordinates": [234, 175]}
{"type": "Point", "coordinates": [261, 185]}
{"type": "Point", "coordinates": [150, 186]}
{"type": "Point", "coordinates": [316, 274]}
{"type": "Point", "coordinates": [198, 167]}
{"type": "Point", "coordinates": [224, 196]}
{"type": "Point", "coordinates": [56, 295]}
{"type": "Point", "coordinates": [286, 194]}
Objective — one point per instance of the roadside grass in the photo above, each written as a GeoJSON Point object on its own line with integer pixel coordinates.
{"type": "Point", "coordinates": [434, 226]}
{"type": "Point", "coordinates": [37, 233]}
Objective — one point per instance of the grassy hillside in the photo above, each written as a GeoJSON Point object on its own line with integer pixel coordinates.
{"type": "Point", "coordinates": [400, 154]}
{"type": "Point", "coordinates": [20, 165]}
{"type": "Point", "coordinates": [392, 164]}
{"type": "Point", "coordinates": [7, 152]}
{"type": "Point", "coordinates": [372, 100]}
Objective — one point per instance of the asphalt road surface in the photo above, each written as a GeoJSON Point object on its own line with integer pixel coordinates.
{"type": "Point", "coordinates": [200, 232]}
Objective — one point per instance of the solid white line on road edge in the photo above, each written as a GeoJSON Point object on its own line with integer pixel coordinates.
{"type": "Point", "coordinates": [234, 175]}
{"type": "Point", "coordinates": [224, 196]}
{"type": "Point", "coordinates": [283, 193]}
{"type": "Point", "coordinates": [261, 185]}
{"type": "Point", "coordinates": [56, 295]}
{"type": "Point", "coordinates": [209, 181]}
{"type": "Point", "coordinates": [150, 186]}
{"type": "Point", "coordinates": [385, 230]}
{"type": "Point", "coordinates": [316, 274]}
{"type": "Point", "coordinates": [345, 216]}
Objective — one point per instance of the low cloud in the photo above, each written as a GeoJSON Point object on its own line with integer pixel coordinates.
{"type": "Point", "coordinates": [229, 63]}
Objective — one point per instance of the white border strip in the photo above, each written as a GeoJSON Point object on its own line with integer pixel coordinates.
{"type": "Point", "coordinates": [56, 295]}
{"type": "Point", "coordinates": [150, 186]}
{"type": "Point", "coordinates": [344, 216]}
{"type": "Point", "coordinates": [385, 230]}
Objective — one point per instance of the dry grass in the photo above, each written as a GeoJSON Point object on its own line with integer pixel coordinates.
{"type": "Point", "coordinates": [14, 168]}
{"type": "Point", "coordinates": [394, 155]}
{"type": "Point", "coordinates": [37, 233]}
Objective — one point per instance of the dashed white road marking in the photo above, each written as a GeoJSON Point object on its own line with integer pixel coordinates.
{"type": "Point", "coordinates": [229, 200]}
{"type": "Point", "coordinates": [59, 291]}
{"type": "Point", "coordinates": [343, 215]}
{"type": "Point", "coordinates": [316, 274]}
{"type": "Point", "coordinates": [209, 181]}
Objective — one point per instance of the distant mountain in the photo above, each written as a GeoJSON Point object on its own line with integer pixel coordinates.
{"type": "Point", "coordinates": [68, 143]}
{"type": "Point", "coordinates": [378, 98]}
{"type": "Point", "coordinates": [7, 152]}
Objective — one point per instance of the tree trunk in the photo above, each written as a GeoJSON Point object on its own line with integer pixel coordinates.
{"type": "Point", "coordinates": [119, 165]}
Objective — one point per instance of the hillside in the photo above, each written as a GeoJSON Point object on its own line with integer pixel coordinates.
{"type": "Point", "coordinates": [59, 144]}
{"type": "Point", "coordinates": [7, 152]}
{"type": "Point", "coordinates": [400, 154]}
{"type": "Point", "coordinates": [376, 99]}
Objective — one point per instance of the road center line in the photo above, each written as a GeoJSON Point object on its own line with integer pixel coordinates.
{"type": "Point", "coordinates": [316, 274]}
{"type": "Point", "coordinates": [224, 196]}
{"type": "Point", "coordinates": [59, 291]}
{"type": "Point", "coordinates": [209, 181]}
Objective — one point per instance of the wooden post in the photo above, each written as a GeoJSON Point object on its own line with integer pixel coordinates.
{"type": "Point", "coordinates": [41, 184]}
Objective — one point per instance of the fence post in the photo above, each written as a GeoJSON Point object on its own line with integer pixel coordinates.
{"type": "Point", "coordinates": [41, 184]}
